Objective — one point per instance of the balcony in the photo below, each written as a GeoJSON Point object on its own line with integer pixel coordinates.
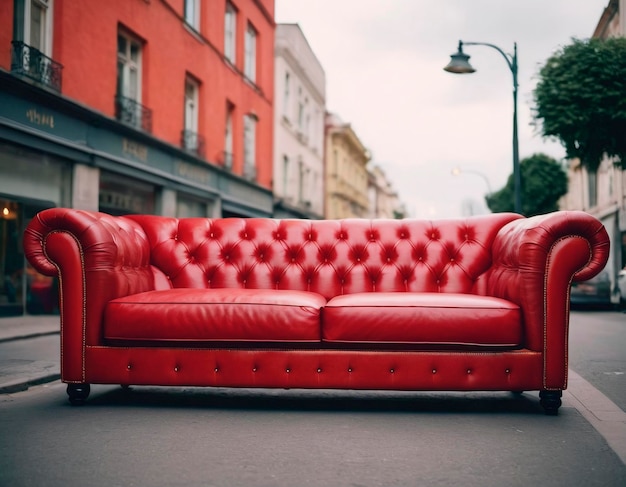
{"type": "Point", "coordinates": [192, 143]}
{"type": "Point", "coordinates": [32, 63]}
{"type": "Point", "coordinates": [133, 113]}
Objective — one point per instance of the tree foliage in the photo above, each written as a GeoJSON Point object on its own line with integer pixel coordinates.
{"type": "Point", "coordinates": [580, 99]}
{"type": "Point", "coordinates": [543, 182]}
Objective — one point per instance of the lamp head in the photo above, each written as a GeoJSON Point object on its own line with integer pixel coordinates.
{"type": "Point", "coordinates": [459, 62]}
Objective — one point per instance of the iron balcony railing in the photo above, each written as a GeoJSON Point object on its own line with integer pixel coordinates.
{"type": "Point", "coordinates": [133, 113]}
{"type": "Point", "coordinates": [32, 63]}
{"type": "Point", "coordinates": [192, 142]}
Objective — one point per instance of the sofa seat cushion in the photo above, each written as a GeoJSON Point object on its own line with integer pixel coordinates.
{"type": "Point", "coordinates": [422, 318]}
{"type": "Point", "coordinates": [256, 315]}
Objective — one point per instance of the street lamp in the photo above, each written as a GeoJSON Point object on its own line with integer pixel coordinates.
{"type": "Point", "coordinates": [457, 171]}
{"type": "Point", "coordinates": [459, 64]}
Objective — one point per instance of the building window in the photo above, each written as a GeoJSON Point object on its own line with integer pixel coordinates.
{"type": "Point", "coordinates": [286, 95]}
{"type": "Point", "coordinates": [192, 13]}
{"type": "Point", "coordinates": [307, 119]}
{"type": "Point", "coordinates": [128, 96]}
{"type": "Point", "coordinates": [228, 137]}
{"type": "Point", "coordinates": [285, 175]}
{"type": "Point", "coordinates": [249, 66]}
{"type": "Point", "coordinates": [301, 181]}
{"type": "Point", "coordinates": [230, 33]}
{"type": "Point", "coordinates": [32, 43]}
{"type": "Point", "coordinates": [191, 140]}
{"type": "Point", "coordinates": [37, 31]}
{"type": "Point", "coordinates": [249, 147]}
{"type": "Point", "coordinates": [592, 180]}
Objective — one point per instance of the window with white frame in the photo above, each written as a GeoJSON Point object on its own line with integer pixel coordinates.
{"type": "Point", "coordinates": [190, 137]}
{"type": "Point", "coordinates": [128, 67]}
{"type": "Point", "coordinates": [301, 180]}
{"type": "Point", "coordinates": [286, 90]}
{"type": "Point", "coordinates": [38, 25]}
{"type": "Point", "coordinates": [300, 110]}
{"type": "Point", "coordinates": [285, 174]}
{"type": "Point", "coordinates": [192, 13]}
{"type": "Point", "coordinates": [128, 95]}
{"type": "Point", "coordinates": [249, 146]}
{"type": "Point", "coordinates": [249, 62]}
{"type": "Point", "coordinates": [228, 137]}
{"type": "Point", "coordinates": [230, 33]}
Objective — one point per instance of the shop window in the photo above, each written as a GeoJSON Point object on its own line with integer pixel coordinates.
{"type": "Point", "coordinates": [187, 206]}
{"type": "Point", "coordinates": [22, 288]}
{"type": "Point", "coordinates": [121, 196]}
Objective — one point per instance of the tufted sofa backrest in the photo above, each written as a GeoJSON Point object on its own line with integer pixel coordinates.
{"type": "Point", "coordinates": [330, 257]}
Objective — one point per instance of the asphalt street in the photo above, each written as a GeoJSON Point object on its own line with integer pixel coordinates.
{"type": "Point", "coordinates": [150, 436]}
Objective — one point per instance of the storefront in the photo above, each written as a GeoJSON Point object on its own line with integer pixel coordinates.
{"type": "Point", "coordinates": [54, 152]}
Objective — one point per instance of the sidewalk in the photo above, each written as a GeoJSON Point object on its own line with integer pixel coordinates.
{"type": "Point", "coordinates": [29, 351]}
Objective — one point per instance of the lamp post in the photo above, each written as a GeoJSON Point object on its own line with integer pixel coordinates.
{"type": "Point", "coordinates": [459, 64]}
{"type": "Point", "coordinates": [457, 171]}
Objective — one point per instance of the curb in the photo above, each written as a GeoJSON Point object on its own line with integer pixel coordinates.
{"type": "Point", "coordinates": [27, 336]}
{"type": "Point", "coordinates": [22, 384]}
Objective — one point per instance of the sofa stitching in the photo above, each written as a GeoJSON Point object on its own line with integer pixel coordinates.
{"type": "Point", "coordinates": [545, 311]}
{"type": "Point", "coordinates": [61, 304]}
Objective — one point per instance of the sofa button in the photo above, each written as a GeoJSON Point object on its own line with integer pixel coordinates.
{"type": "Point", "coordinates": [254, 369]}
{"type": "Point", "coordinates": [129, 366]}
{"type": "Point", "coordinates": [469, 371]}
{"type": "Point", "coordinates": [349, 369]}
{"type": "Point", "coordinates": [217, 369]}
{"type": "Point", "coordinates": [319, 370]}
{"type": "Point", "coordinates": [434, 371]}
{"type": "Point", "coordinates": [507, 371]}
{"type": "Point", "coordinates": [287, 370]}
{"type": "Point", "coordinates": [176, 369]}
{"type": "Point", "coordinates": [391, 371]}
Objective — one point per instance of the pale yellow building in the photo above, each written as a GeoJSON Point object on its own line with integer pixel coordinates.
{"type": "Point", "coordinates": [346, 159]}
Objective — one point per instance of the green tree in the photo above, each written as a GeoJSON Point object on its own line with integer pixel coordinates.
{"type": "Point", "coordinates": [543, 182]}
{"type": "Point", "coordinates": [580, 99]}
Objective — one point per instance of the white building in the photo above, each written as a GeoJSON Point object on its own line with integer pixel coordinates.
{"type": "Point", "coordinates": [299, 108]}
{"type": "Point", "coordinates": [383, 199]}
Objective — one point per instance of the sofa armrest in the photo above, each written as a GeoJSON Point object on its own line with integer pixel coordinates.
{"type": "Point", "coordinates": [97, 258]}
{"type": "Point", "coordinates": [535, 261]}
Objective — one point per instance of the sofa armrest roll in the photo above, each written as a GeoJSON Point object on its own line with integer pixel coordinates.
{"type": "Point", "coordinates": [97, 258]}
{"type": "Point", "coordinates": [535, 261]}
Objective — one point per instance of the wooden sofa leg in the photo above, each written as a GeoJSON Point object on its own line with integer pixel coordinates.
{"type": "Point", "coordinates": [551, 401]}
{"type": "Point", "coordinates": [78, 393]}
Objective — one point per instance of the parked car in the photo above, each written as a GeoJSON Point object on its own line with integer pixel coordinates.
{"type": "Point", "coordinates": [596, 291]}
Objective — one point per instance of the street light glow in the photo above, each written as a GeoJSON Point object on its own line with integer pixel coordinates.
{"type": "Point", "coordinates": [459, 64]}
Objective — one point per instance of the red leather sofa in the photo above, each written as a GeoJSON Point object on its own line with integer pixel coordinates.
{"type": "Point", "coordinates": [479, 303]}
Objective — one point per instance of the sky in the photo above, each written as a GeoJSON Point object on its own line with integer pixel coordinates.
{"type": "Point", "coordinates": [384, 60]}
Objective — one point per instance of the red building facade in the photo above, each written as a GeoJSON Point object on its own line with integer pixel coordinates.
{"type": "Point", "coordinates": [133, 106]}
